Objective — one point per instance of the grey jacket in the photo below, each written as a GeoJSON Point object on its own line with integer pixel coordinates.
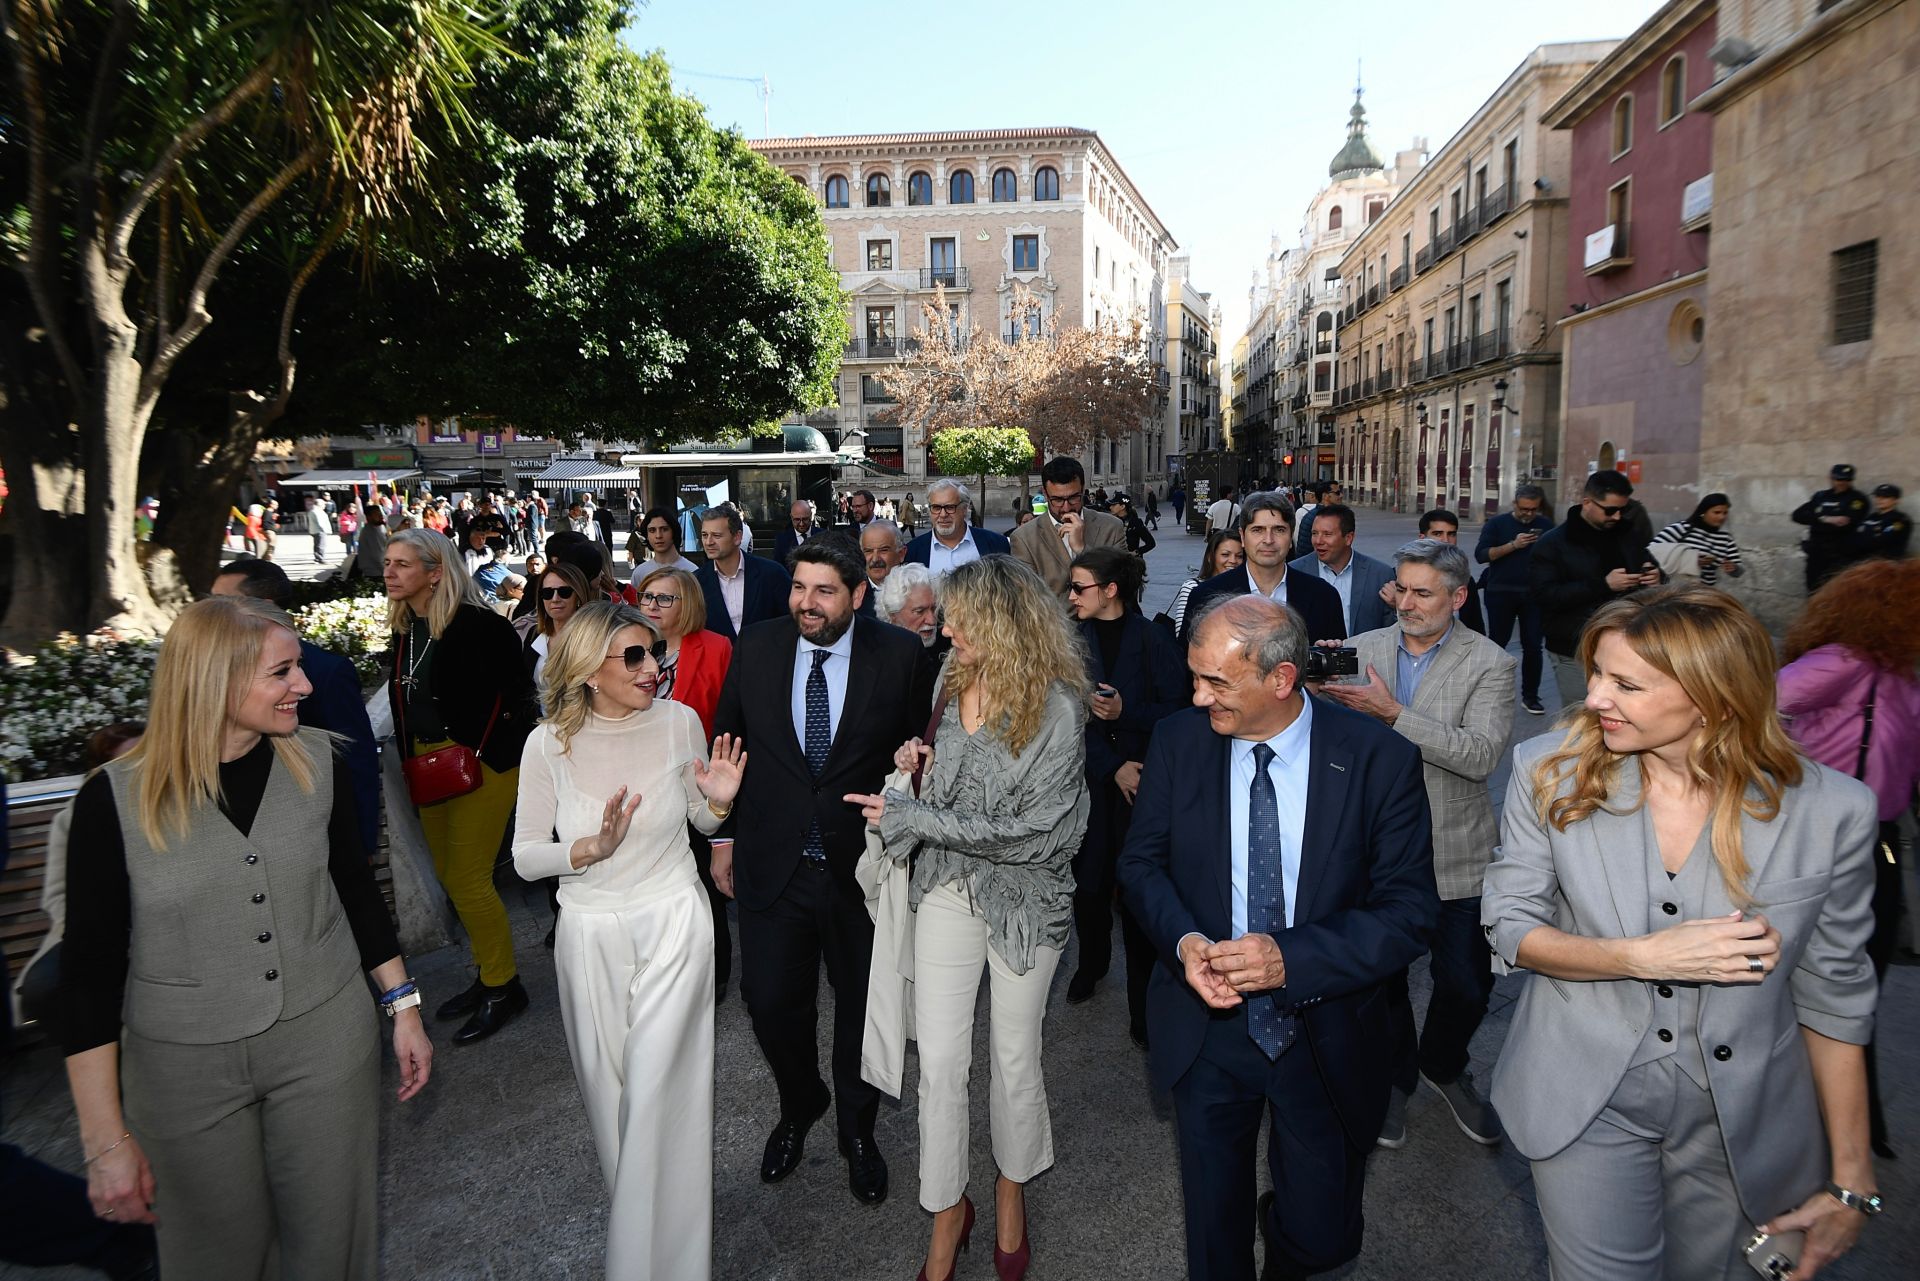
{"type": "Point", "coordinates": [1461, 720]}
{"type": "Point", "coordinates": [1811, 876]}
{"type": "Point", "coordinates": [1004, 828]}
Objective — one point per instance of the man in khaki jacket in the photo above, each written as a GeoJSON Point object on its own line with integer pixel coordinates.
{"type": "Point", "coordinates": [1048, 545]}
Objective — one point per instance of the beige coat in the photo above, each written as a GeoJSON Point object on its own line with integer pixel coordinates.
{"type": "Point", "coordinates": [1038, 546]}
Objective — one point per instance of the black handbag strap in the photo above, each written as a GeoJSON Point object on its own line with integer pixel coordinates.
{"type": "Point", "coordinates": [1866, 728]}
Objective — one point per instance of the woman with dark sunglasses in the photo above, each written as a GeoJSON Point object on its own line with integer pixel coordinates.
{"type": "Point", "coordinates": [609, 783]}
{"type": "Point", "coordinates": [562, 593]}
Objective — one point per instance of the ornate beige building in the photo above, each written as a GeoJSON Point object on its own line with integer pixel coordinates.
{"type": "Point", "coordinates": [1446, 384]}
{"type": "Point", "coordinates": [974, 213]}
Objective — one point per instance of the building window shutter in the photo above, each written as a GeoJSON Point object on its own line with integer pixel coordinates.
{"type": "Point", "coordinates": [1854, 269]}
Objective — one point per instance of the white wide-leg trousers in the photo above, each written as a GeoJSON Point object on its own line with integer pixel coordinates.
{"type": "Point", "coordinates": [636, 991]}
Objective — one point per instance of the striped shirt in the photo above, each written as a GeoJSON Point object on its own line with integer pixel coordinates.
{"type": "Point", "coordinates": [1717, 543]}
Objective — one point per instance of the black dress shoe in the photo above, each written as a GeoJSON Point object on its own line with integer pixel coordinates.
{"type": "Point", "coordinates": [498, 1007]}
{"type": "Point", "coordinates": [1080, 988]}
{"type": "Point", "coordinates": [460, 1006]}
{"type": "Point", "coordinates": [866, 1170]}
{"type": "Point", "coordinates": [786, 1145]}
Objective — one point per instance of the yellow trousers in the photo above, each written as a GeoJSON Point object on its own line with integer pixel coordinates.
{"type": "Point", "coordinates": [464, 835]}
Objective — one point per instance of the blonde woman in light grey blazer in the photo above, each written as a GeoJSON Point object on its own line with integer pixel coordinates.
{"type": "Point", "coordinates": [1692, 897]}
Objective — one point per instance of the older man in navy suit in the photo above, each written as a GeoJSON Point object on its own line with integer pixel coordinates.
{"type": "Point", "coordinates": [1266, 533]}
{"type": "Point", "coordinates": [953, 539]}
{"type": "Point", "coordinates": [1281, 863]}
{"type": "Point", "coordinates": [741, 590]}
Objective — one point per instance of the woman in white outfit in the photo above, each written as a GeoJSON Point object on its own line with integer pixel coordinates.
{"type": "Point", "coordinates": [617, 775]}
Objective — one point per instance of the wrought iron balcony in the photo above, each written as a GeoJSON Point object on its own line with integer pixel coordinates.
{"type": "Point", "coordinates": [947, 277]}
{"type": "Point", "coordinates": [1423, 258]}
{"type": "Point", "coordinates": [1397, 278]}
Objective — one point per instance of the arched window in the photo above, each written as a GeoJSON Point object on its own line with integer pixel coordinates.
{"type": "Point", "coordinates": [879, 191]}
{"type": "Point", "coordinates": [1046, 183]}
{"type": "Point", "coordinates": [836, 192]}
{"type": "Point", "coordinates": [1005, 186]}
{"type": "Point", "coordinates": [960, 187]}
{"type": "Point", "coordinates": [1334, 217]}
{"type": "Point", "coordinates": [1673, 89]}
{"type": "Point", "coordinates": [919, 188]}
{"type": "Point", "coordinates": [1623, 125]}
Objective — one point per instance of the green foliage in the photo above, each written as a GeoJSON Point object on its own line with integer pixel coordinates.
{"type": "Point", "coordinates": [983, 451]}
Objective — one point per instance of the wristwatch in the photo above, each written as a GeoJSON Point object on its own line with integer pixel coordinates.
{"type": "Point", "coordinates": [411, 999]}
{"type": "Point", "coordinates": [1867, 1205]}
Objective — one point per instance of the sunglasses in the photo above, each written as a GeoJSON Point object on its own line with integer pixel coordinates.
{"type": "Point", "coordinates": [1074, 589]}
{"type": "Point", "coordinates": [636, 655]}
{"type": "Point", "coordinates": [659, 599]}
{"type": "Point", "coordinates": [1607, 511]}
{"type": "Point", "coordinates": [561, 593]}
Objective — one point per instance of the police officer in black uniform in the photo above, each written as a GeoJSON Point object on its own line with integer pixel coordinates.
{"type": "Point", "coordinates": [1885, 533]}
{"type": "Point", "coordinates": [1832, 517]}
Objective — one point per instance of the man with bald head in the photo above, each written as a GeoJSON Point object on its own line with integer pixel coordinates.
{"type": "Point", "coordinates": [801, 529]}
{"type": "Point", "coordinates": [1281, 863]}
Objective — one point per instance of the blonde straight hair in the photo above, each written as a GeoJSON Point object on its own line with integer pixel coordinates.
{"type": "Point", "coordinates": [210, 657]}
{"type": "Point", "coordinates": [1024, 643]}
{"type": "Point", "coordinates": [1722, 658]}
{"type": "Point", "coordinates": [454, 588]}
{"type": "Point", "coordinates": [577, 655]}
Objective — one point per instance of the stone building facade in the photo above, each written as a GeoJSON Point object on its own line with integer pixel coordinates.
{"type": "Point", "coordinates": [1816, 154]}
{"type": "Point", "coordinates": [1641, 204]}
{"type": "Point", "coordinates": [1447, 377]}
{"type": "Point", "coordinates": [971, 214]}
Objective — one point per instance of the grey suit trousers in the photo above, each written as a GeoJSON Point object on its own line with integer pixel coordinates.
{"type": "Point", "coordinates": [1646, 1193]}
{"type": "Point", "coordinates": [265, 1151]}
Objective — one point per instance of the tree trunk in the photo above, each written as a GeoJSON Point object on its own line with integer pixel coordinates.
{"type": "Point", "coordinates": [111, 450]}
{"type": "Point", "coordinates": [196, 494]}
{"type": "Point", "coordinates": [42, 528]}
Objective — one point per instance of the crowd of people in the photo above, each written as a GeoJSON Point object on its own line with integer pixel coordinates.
{"type": "Point", "coordinates": [921, 760]}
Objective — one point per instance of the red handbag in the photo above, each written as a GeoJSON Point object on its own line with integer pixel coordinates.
{"type": "Point", "coordinates": [433, 777]}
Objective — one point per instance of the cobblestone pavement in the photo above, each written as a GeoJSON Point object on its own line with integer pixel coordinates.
{"type": "Point", "coordinates": [491, 1174]}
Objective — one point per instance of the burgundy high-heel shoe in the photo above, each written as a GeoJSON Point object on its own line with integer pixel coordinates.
{"type": "Point", "coordinates": [1012, 1266]}
{"type": "Point", "coordinates": [966, 1239]}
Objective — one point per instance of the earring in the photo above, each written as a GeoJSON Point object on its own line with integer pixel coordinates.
{"type": "Point", "coordinates": [595, 689]}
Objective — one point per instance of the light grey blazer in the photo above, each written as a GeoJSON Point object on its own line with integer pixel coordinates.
{"type": "Point", "coordinates": [1811, 876]}
{"type": "Point", "coordinates": [1461, 719]}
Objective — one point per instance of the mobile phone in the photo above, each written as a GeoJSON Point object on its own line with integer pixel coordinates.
{"type": "Point", "coordinates": [1775, 1254]}
{"type": "Point", "coordinates": [1105, 689]}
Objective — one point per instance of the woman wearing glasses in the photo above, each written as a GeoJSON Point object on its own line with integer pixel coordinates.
{"type": "Point", "coordinates": [696, 660]}
{"type": "Point", "coordinates": [563, 592]}
{"type": "Point", "coordinates": [617, 774]}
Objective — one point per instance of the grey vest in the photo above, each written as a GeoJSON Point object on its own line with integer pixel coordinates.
{"type": "Point", "coordinates": [232, 933]}
{"type": "Point", "coordinates": [1674, 1031]}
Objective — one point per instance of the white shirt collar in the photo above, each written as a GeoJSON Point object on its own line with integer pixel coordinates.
{"type": "Point", "coordinates": [843, 647]}
{"type": "Point", "coordinates": [1289, 743]}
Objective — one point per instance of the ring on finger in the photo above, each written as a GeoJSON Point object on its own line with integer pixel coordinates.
{"type": "Point", "coordinates": [1756, 966]}
{"type": "Point", "coordinates": [107, 1213]}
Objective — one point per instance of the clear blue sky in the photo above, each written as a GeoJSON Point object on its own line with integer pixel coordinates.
{"type": "Point", "coordinates": [1224, 112]}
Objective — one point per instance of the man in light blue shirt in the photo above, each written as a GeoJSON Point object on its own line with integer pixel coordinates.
{"type": "Point", "coordinates": [1288, 770]}
{"type": "Point", "coordinates": [953, 539]}
{"type": "Point", "coordinates": [839, 652]}
{"type": "Point", "coordinates": [1356, 577]}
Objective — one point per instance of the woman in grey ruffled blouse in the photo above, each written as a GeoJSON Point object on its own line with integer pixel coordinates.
{"type": "Point", "coordinates": [1000, 815]}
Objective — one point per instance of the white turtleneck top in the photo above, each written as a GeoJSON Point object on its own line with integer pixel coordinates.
{"type": "Point", "coordinates": [566, 793]}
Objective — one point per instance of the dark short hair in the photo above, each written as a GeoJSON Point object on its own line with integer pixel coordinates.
{"type": "Point", "coordinates": [1604, 483]}
{"type": "Point", "coordinates": [1062, 470]}
{"type": "Point", "coordinates": [1267, 500]}
{"type": "Point", "coordinates": [261, 579]}
{"type": "Point", "coordinates": [832, 553]}
{"type": "Point", "coordinates": [862, 493]}
{"type": "Point", "coordinates": [662, 513]}
{"type": "Point", "coordinates": [1532, 493]}
{"type": "Point", "coordinates": [585, 555]}
{"type": "Point", "coordinates": [1114, 565]}
{"type": "Point", "coordinates": [1438, 513]}
{"type": "Point", "coordinates": [557, 543]}
{"type": "Point", "coordinates": [725, 511]}
{"type": "Point", "coordinates": [1338, 511]}
{"type": "Point", "coordinates": [1311, 488]}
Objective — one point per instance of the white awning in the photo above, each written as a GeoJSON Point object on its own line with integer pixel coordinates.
{"type": "Point", "coordinates": [584, 473]}
{"type": "Point", "coordinates": [811, 458]}
{"type": "Point", "coordinates": [344, 479]}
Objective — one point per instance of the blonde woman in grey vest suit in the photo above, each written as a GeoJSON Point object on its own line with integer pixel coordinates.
{"type": "Point", "coordinates": [220, 1040]}
{"type": "Point", "coordinates": [1693, 898]}
{"type": "Point", "coordinates": [616, 774]}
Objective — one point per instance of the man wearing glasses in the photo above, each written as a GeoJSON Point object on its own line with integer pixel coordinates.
{"type": "Point", "coordinates": [1580, 565]}
{"type": "Point", "coordinates": [1048, 545]}
{"type": "Point", "coordinates": [953, 540]}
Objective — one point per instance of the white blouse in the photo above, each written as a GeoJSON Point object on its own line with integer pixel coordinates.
{"type": "Point", "coordinates": [566, 793]}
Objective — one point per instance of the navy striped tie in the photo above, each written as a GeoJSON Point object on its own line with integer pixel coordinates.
{"type": "Point", "coordinates": [1270, 1029]}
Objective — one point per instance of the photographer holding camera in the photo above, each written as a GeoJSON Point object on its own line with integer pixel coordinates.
{"type": "Point", "coordinates": [1449, 691]}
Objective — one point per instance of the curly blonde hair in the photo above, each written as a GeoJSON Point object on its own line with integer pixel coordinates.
{"type": "Point", "coordinates": [577, 655]}
{"type": "Point", "coordinates": [1723, 659]}
{"type": "Point", "coordinates": [1023, 640]}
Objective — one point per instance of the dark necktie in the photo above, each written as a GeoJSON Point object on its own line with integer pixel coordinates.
{"type": "Point", "coordinates": [819, 740]}
{"type": "Point", "coordinates": [1270, 1029]}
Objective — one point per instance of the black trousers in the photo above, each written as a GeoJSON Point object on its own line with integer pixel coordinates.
{"type": "Point", "coordinates": [1094, 878]}
{"type": "Point", "coordinates": [781, 948]}
{"type": "Point", "coordinates": [1880, 947]}
{"type": "Point", "coordinates": [1462, 970]}
{"type": "Point", "coordinates": [1318, 1176]}
{"type": "Point", "coordinates": [1503, 610]}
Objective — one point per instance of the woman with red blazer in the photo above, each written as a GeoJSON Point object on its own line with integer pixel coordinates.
{"type": "Point", "coordinates": [692, 672]}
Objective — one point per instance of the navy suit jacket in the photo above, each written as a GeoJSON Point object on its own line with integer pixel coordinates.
{"type": "Point", "coordinates": [336, 705]}
{"type": "Point", "coordinates": [1312, 599]}
{"type": "Point", "coordinates": [1365, 905]}
{"type": "Point", "coordinates": [766, 594]}
{"type": "Point", "coordinates": [784, 545]}
{"type": "Point", "coordinates": [1370, 613]}
{"type": "Point", "coordinates": [920, 550]}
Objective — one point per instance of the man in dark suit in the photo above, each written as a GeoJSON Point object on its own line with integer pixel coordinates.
{"type": "Point", "coordinates": [822, 699]}
{"type": "Point", "coordinates": [741, 590]}
{"type": "Point", "coordinates": [1281, 862]}
{"type": "Point", "coordinates": [800, 529]}
{"type": "Point", "coordinates": [1266, 533]}
{"type": "Point", "coordinates": [950, 525]}
{"type": "Point", "coordinates": [1139, 679]}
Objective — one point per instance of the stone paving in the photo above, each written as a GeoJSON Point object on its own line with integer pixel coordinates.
{"type": "Point", "coordinates": [491, 1174]}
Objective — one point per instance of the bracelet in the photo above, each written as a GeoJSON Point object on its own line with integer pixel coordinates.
{"type": "Point", "coordinates": [718, 813]}
{"type": "Point", "coordinates": [1868, 1204]}
{"type": "Point", "coordinates": [110, 1147]}
{"type": "Point", "coordinates": [394, 994]}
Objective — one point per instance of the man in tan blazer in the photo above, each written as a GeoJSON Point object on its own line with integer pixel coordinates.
{"type": "Point", "coordinates": [1048, 544]}
{"type": "Point", "coordinates": [1448, 690]}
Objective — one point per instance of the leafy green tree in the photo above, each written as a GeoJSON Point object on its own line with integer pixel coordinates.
{"type": "Point", "coordinates": [983, 452]}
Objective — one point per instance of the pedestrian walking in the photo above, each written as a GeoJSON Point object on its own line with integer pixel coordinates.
{"type": "Point", "coordinates": [1710, 549]}
{"type": "Point", "coordinates": [1832, 517]}
{"type": "Point", "coordinates": [1506, 549]}
{"type": "Point", "coordinates": [1153, 511]}
{"type": "Point", "coordinates": [1580, 565]}
{"type": "Point", "coordinates": [1177, 499]}
{"type": "Point", "coordinates": [1224, 513]}
{"type": "Point", "coordinates": [1224, 552]}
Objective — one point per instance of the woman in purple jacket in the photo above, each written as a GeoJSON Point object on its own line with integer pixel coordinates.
{"type": "Point", "coordinates": [1852, 702]}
